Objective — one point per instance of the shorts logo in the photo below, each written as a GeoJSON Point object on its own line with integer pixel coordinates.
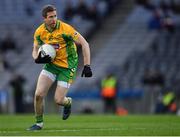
{"type": "Point", "coordinates": [73, 69]}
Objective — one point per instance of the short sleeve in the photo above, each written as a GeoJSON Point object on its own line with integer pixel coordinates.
{"type": "Point", "coordinates": [37, 38]}
{"type": "Point", "coordinates": [74, 34]}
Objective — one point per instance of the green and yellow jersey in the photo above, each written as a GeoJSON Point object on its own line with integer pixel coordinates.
{"type": "Point", "coordinates": [62, 39]}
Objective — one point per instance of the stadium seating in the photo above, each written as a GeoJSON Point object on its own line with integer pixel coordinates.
{"type": "Point", "coordinates": [128, 52]}
{"type": "Point", "coordinates": [20, 18]}
{"type": "Point", "coordinates": [120, 46]}
{"type": "Point", "coordinates": [22, 30]}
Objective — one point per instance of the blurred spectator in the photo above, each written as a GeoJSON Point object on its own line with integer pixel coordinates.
{"type": "Point", "coordinates": [175, 4]}
{"type": "Point", "coordinates": [176, 86]}
{"type": "Point", "coordinates": [168, 24]}
{"type": "Point", "coordinates": [165, 6]}
{"type": "Point", "coordinates": [102, 8]}
{"type": "Point", "coordinates": [155, 22]}
{"type": "Point", "coordinates": [17, 84]}
{"type": "Point", "coordinates": [3, 101]}
{"type": "Point", "coordinates": [153, 77]}
{"type": "Point", "coordinates": [82, 9]}
{"type": "Point", "coordinates": [8, 43]}
{"type": "Point", "coordinates": [142, 2]}
{"type": "Point", "coordinates": [1, 64]}
{"type": "Point", "coordinates": [29, 9]}
{"type": "Point", "coordinates": [146, 4]}
{"type": "Point", "coordinates": [68, 11]}
{"type": "Point", "coordinates": [166, 103]}
{"type": "Point", "coordinates": [109, 86]}
{"type": "Point", "coordinates": [4, 65]}
{"type": "Point", "coordinates": [93, 14]}
{"type": "Point", "coordinates": [111, 4]}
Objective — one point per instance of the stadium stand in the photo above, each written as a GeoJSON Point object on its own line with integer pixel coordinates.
{"type": "Point", "coordinates": [131, 50]}
{"type": "Point", "coordinates": [123, 44]}
{"type": "Point", "coordinates": [19, 19]}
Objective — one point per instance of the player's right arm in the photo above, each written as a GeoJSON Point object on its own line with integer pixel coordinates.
{"type": "Point", "coordinates": [37, 55]}
{"type": "Point", "coordinates": [35, 51]}
{"type": "Point", "coordinates": [35, 44]}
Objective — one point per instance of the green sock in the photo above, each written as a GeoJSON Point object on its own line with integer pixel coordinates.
{"type": "Point", "coordinates": [39, 119]}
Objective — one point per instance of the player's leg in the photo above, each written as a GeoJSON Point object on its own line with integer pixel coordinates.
{"type": "Point", "coordinates": [65, 78]}
{"type": "Point", "coordinates": [45, 81]}
{"type": "Point", "coordinates": [61, 99]}
{"type": "Point", "coordinates": [43, 85]}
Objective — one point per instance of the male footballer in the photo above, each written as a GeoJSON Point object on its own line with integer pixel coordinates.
{"type": "Point", "coordinates": [63, 68]}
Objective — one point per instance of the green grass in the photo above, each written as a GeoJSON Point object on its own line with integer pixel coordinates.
{"type": "Point", "coordinates": [94, 125]}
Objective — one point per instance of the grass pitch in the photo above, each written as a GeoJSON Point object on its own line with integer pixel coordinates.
{"type": "Point", "coordinates": [92, 125]}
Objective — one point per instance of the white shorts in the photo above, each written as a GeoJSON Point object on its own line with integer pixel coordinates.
{"type": "Point", "coordinates": [53, 78]}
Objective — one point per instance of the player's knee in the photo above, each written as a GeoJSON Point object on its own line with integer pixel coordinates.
{"type": "Point", "coordinates": [39, 96]}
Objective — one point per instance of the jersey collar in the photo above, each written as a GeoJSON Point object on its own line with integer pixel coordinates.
{"type": "Point", "coordinates": [56, 27]}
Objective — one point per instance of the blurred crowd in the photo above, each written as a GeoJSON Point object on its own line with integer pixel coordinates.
{"type": "Point", "coordinates": [163, 12]}
{"type": "Point", "coordinates": [72, 13]}
{"type": "Point", "coordinates": [98, 10]}
{"type": "Point", "coordinates": [8, 44]}
{"type": "Point", "coordinates": [163, 20]}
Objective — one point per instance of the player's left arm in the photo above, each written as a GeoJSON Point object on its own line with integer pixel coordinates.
{"type": "Point", "coordinates": [86, 55]}
{"type": "Point", "coordinates": [85, 49]}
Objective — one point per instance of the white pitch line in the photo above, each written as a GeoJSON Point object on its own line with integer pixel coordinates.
{"type": "Point", "coordinates": [69, 130]}
{"type": "Point", "coordinates": [63, 130]}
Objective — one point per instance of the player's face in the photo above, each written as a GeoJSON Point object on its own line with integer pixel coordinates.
{"type": "Point", "coordinates": [51, 19]}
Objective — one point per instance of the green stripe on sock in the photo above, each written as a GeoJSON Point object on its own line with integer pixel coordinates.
{"type": "Point", "coordinates": [39, 119]}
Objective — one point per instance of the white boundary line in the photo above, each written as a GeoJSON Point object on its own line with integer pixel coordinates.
{"type": "Point", "coordinates": [62, 130]}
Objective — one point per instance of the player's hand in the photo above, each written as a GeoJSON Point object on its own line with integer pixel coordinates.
{"type": "Point", "coordinates": [42, 60]}
{"type": "Point", "coordinates": [86, 71]}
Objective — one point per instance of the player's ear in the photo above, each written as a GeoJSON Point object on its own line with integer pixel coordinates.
{"type": "Point", "coordinates": [44, 19]}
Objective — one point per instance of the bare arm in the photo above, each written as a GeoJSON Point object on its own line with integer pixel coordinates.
{"type": "Point", "coordinates": [38, 58]}
{"type": "Point", "coordinates": [35, 51]}
{"type": "Point", "coordinates": [85, 49]}
{"type": "Point", "coordinates": [86, 54]}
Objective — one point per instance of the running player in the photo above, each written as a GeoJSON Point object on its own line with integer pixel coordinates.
{"type": "Point", "coordinates": [63, 68]}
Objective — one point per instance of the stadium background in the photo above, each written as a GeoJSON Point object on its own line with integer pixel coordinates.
{"type": "Point", "coordinates": [122, 38]}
